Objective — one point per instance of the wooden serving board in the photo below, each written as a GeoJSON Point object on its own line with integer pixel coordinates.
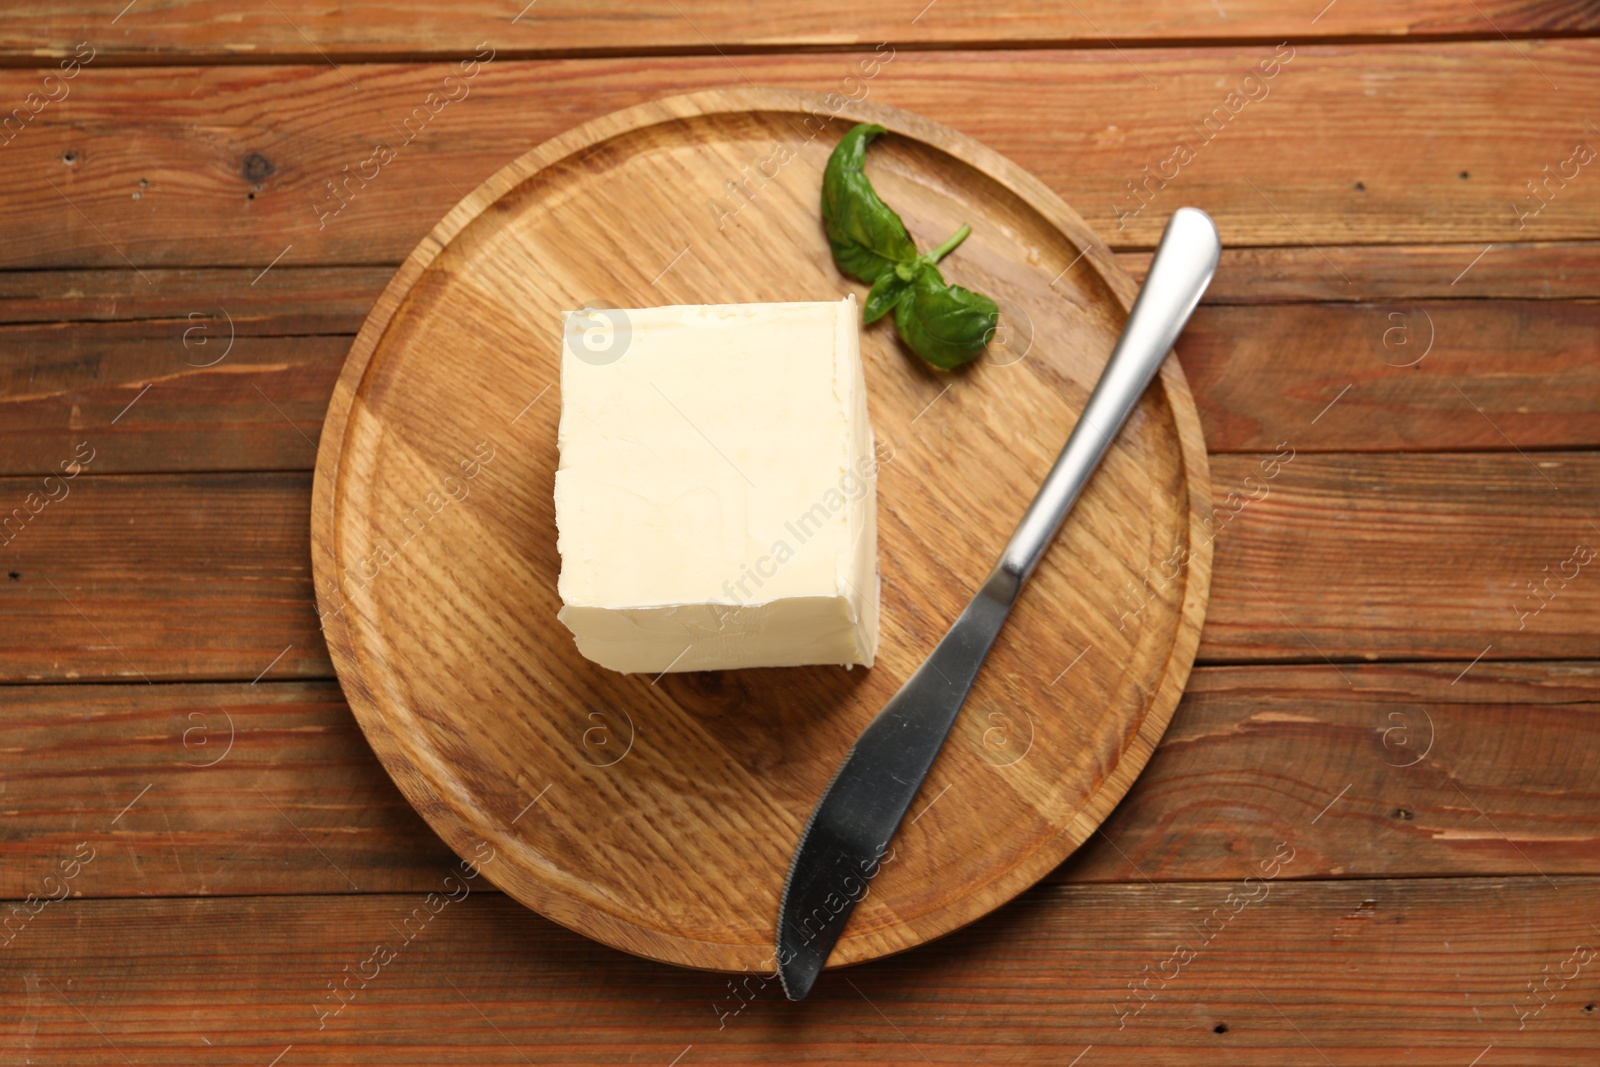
{"type": "Point", "coordinates": [659, 815]}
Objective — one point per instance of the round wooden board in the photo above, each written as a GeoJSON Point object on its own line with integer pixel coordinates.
{"type": "Point", "coordinates": [659, 816]}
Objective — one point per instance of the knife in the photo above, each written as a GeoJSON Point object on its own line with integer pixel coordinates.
{"type": "Point", "coordinates": [847, 838]}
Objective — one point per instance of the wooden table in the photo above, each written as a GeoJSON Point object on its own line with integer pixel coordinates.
{"type": "Point", "coordinates": [1397, 707]}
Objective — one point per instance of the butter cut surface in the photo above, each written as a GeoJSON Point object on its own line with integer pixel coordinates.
{"type": "Point", "coordinates": [716, 495]}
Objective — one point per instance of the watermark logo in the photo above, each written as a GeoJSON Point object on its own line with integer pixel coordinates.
{"type": "Point", "coordinates": [1544, 187]}
{"type": "Point", "coordinates": [1539, 987]}
{"type": "Point", "coordinates": [56, 488]}
{"type": "Point", "coordinates": [597, 333]}
{"type": "Point", "coordinates": [454, 888]}
{"type": "Point", "coordinates": [1012, 337]}
{"type": "Point", "coordinates": [608, 738]}
{"type": "Point", "coordinates": [53, 88]}
{"type": "Point", "coordinates": [1147, 984]}
{"type": "Point", "coordinates": [197, 336]}
{"type": "Point", "coordinates": [1002, 738]}
{"type": "Point", "coordinates": [1254, 87]}
{"type": "Point", "coordinates": [20, 913]}
{"type": "Point", "coordinates": [853, 485]}
{"type": "Point", "coordinates": [1399, 343]}
{"type": "Point", "coordinates": [202, 739]}
{"type": "Point", "coordinates": [344, 187]}
{"type": "Point", "coordinates": [1538, 597]}
{"type": "Point", "coordinates": [1398, 738]}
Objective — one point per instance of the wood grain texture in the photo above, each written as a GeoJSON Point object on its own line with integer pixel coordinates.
{"type": "Point", "coordinates": [1325, 568]}
{"type": "Point", "coordinates": [271, 788]}
{"type": "Point", "coordinates": [1260, 373]}
{"type": "Point", "coordinates": [1434, 375]}
{"type": "Point", "coordinates": [1086, 123]}
{"type": "Point", "coordinates": [1397, 557]}
{"type": "Point", "coordinates": [1553, 270]}
{"type": "Point", "coordinates": [202, 790]}
{"type": "Point", "coordinates": [1402, 770]}
{"type": "Point", "coordinates": [163, 395]}
{"type": "Point", "coordinates": [205, 575]}
{"type": "Point", "coordinates": [478, 702]}
{"type": "Point", "coordinates": [1346, 973]}
{"type": "Point", "coordinates": [138, 579]}
{"type": "Point", "coordinates": [282, 302]}
{"type": "Point", "coordinates": [213, 31]}
{"type": "Point", "coordinates": [291, 300]}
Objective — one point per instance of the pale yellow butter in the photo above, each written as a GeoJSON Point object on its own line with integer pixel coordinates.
{"type": "Point", "coordinates": [716, 495]}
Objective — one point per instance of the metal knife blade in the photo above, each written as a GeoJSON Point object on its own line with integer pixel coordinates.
{"type": "Point", "coordinates": [847, 838]}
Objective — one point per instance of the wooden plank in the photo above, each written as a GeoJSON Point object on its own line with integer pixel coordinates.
{"type": "Point", "coordinates": [143, 578]}
{"type": "Point", "coordinates": [283, 301]}
{"type": "Point", "coordinates": [1431, 375]}
{"type": "Point", "coordinates": [249, 391]}
{"type": "Point", "coordinates": [302, 300]}
{"type": "Point", "coordinates": [203, 397]}
{"type": "Point", "coordinates": [1431, 971]}
{"type": "Point", "coordinates": [214, 789]}
{"type": "Point", "coordinates": [61, 381]}
{"type": "Point", "coordinates": [1556, 270]}
{"type": "Point", "coordinates": [1404, 556]}
{"type": "Point", "coordinates": [227, 786]}
{"type": "Point", "coordinates": [178, 185]}
{"type": "Point", "coordinates": [299, 31]}
{"type": "Point", "coordinates": [1345, 556]}
{"type": "Point", "coordinates": [1403, 772]}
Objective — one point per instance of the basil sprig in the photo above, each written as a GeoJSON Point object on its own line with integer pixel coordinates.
{"type": "Point", "coordinates": [943, 323]}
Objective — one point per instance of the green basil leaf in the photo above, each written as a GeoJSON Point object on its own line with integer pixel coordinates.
{"type": "Point", "coordinates": [866, 235]}
{"type": "Point", "coordinates": [944, 324]}
{"type": "Point", "coordinates": [885, 295]}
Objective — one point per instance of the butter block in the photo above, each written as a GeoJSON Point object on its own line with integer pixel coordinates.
{"type": "Point", "coordinates": [716, 496]}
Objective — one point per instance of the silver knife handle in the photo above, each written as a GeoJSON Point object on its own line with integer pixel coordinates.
{"type": "Point", "coordinates": [1183, 265]}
